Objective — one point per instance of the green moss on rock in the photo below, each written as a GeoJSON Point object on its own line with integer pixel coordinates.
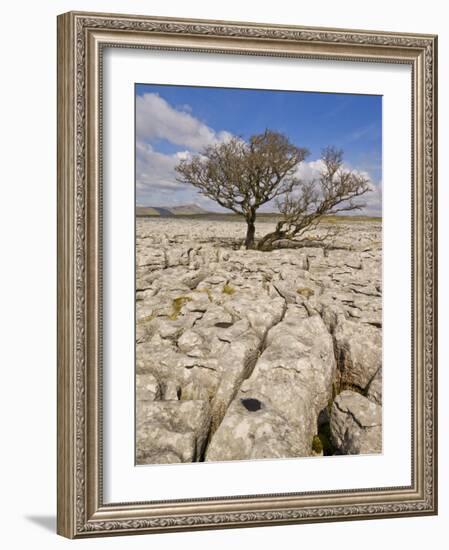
{"type": "Point", "coordinates": [305, 291]}
{"type": "Point", "coordinates": [228, 289]}
{"type": "Point", "coordinates": [177, 305]}
{"type": "Point", "coordinates": [317, 446]}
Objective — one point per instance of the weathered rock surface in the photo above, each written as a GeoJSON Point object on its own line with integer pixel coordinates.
{"type": "Point", "coordinates": [290, 384]}
{"type": "Point", "coordinates": [356, 424]}
{"type": "Point", "coordinates": [374, 391]}
{"type": "Point", "coordinates": [359, 352]}
{"type": "Point", "coordinates": [147, 388]}
{"type": "Point", "coordinates": [255, 429]}
{"type": "Point", "coordinates": [171, 431]}
{"type": "Point", "coordinates": [251, 346]}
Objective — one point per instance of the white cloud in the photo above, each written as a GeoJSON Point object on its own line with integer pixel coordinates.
{"type": "Point", "coordinates": [156, 170]}
{"type": "Point", "coordinates": [157, 119]}
{"type": "Point", "coordinates": [311, 170]}
{"type": "Point", "coordinates": [308, 171]}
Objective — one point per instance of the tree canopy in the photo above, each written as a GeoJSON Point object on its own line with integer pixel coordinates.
{"type": "Point", "coordinates": [241, 176]}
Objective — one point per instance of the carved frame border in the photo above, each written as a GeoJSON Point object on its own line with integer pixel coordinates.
{"type": "Point", "coordinates": [81, 38]}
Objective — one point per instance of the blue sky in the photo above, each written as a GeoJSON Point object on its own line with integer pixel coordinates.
{"type": "Point", "coordinates": [175, 121]}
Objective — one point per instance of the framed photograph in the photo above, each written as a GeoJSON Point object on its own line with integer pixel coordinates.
{"type": "Point", "coordinates": [246, 274]}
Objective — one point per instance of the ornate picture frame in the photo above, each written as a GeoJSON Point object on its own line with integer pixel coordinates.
{"type": "Point", "coordinates": [82, 39]}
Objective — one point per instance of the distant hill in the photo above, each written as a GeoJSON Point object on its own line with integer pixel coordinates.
{"type": "Point", "coordinates": [196, 211]}
{"type": "Point", "coordinates": [169, 211]}
{"type": "Point", "coordinates": [187, 210]}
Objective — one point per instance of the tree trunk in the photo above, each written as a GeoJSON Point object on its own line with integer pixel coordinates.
{"type": "Point", "coordinates": [266, 243]}
{"type": "Point", "coordinates": [250, 232]}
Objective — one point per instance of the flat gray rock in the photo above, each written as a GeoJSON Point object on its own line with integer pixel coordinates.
{"type": "Point", "coordinates": [374, 392]}
{"type": "Point", "coordinates": [147, 388]}
{"type": "Point", "coordinates": [359, 348]}
{"type": "Point", "coordinates": [356, 424]}
{"type": "Point", "coordinates": [176, 430]}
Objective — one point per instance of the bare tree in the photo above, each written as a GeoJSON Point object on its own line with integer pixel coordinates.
{"type": "Point", "coordinates": [333, 192]}
{"type": "Point", "coordinates": [242, 176]}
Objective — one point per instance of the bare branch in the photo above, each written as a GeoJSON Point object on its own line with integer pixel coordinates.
{"type": "Point", "coordinates": [333, 192]}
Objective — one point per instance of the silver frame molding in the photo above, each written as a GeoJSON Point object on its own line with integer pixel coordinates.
{"type": "Point", "coordinates": [81, 38]}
